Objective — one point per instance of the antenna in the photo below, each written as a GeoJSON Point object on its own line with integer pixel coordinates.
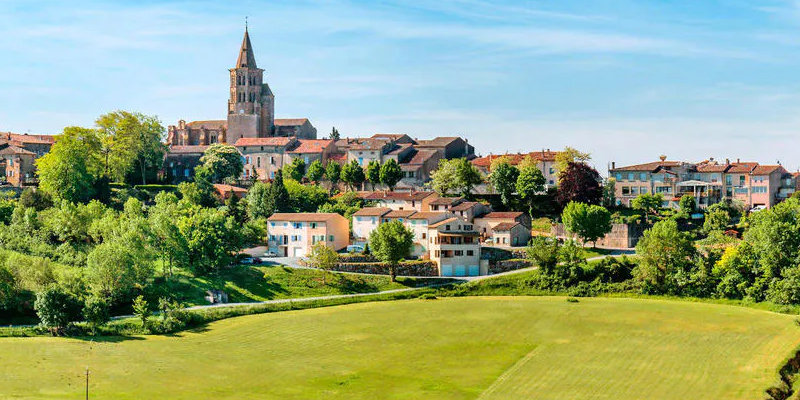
{"type": "Point", "coordinates": [245, 23]}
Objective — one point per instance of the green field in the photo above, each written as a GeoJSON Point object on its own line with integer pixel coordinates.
{"type": "Point", "coordinates": [454, 348]}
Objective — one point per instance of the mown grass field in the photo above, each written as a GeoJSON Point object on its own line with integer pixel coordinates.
{"type": "Point", "coordinates": [452, 348]}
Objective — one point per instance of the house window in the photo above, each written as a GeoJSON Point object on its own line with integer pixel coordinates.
{"type": "Point", "coordinates": [298, 225]}
{"type": "Point", "coordinates": [447, 227]}
{"type": "Point", "coordinates": [470, 252]}
{"type": "Point", "coordinates": [741, 180]}
{"type": "Point", "coordinates": [330, 238]}
{"type": "Point", "coordinates": [626, 190]}
{"type": "Point", "coordinates": [643, 176]}
{"type": "Point", "coordinates": [728, 180]}
{"type": "Point", "coordinates": [424, 235]}
{"type": "Point", "coordinates": [458, 253]}
{"type": "Point", "coordinates": [630, 176]}
{"type": "Point", "coordinates": [313, 225]}
{"type": "Point", "coordinates": [258, 162]}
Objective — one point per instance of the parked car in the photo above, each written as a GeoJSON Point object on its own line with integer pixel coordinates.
{"type": "Point", "coordinates": [355, 248]}
{"type": "Point", "coordinates": [270, 254]}
{"type": "Point", "coordinates": [250, 260]}
{"type": "Point", "coordinates": [758, 208]}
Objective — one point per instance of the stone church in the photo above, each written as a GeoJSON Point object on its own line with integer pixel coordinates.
{"type": "Point", "coordinates": [251, 111]}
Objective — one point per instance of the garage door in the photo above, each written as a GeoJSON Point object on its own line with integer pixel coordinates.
{"type": "Point", "coordinates": [447, 270]}
{"type": "Point", "coordinates": [474, 270]}
{"type": "Point", "coordinates": [461, 270]}
{"type": "Point", "coordinates": [298, 252]}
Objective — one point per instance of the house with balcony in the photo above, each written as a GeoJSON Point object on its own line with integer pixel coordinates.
{"type": "Point", "coordinates": [485, 224]}
{"type": "Point", "coordinates": [453, 244]}
{"type": "Point", "coordinates": [293, 234]}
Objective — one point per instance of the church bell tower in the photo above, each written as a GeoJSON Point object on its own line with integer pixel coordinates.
{"type": "Point", "coordinates": [251, 106]}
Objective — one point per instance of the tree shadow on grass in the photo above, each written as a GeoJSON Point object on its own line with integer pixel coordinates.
{"type": "Point", "coordinates": [105, 339]}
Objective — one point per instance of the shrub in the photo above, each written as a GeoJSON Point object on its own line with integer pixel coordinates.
{"type": "Point", "coordinates": [56, 309]}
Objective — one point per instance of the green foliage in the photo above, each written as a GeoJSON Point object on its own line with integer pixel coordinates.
{"type": "Point", "coordinates": [391, 173]}
{"type": "Point", "coordinates": [390, 243]}
{"type": "Point", "coordinates": [648, 204]}
{"type": "Point", "coordinates": [589, 222]}
{"type": "Point", "coordinates": [295, 170]}
{"type": "Point", "coordinates": [456, 175]}
{"type": "Point", "coordinates": [131, 145]}
{"type": "Point", "coordinates": [7, 206]}
{"type": "Point", "coordinates": [279, 195]}
{"type": "Point", "coordinates": [211, 240]}
{"type": "Point", "coordinates": [716, 219]}
{"type": "Point", "coordinates": [36, 199]}
{"type": "Point", "coordinates": [73, 164]}
{"type": "Point", "coordinates": [259, 201]}
{"type": "Point", "coordinates": [235, 209]}
{"type": "Point", "coordinates": [503, 178]}
{"type": "Point", "coordinates": [372, 173]}
{"type": "Point", "coordinates": [55, 308]}
{"type": "Point", "coordinates": [542, 251]}
{"type": "Point", "coordinates": [141, 308]}
{"type": "Point", "coordinates": [334, 133]}
{"type": "Point", "coordinates": [220, 162]}
{"type": "Point", "coordinates": [352, 174]}
{"type": "Point", "coordinates": [530, 182]}
{"type": "Point", "coordinates": [96, 312]}
{"type": "Point", "coordinates": [322, 257]}
{"type": "Point", "coordinates": [117, 266]}
{"type": "Point", "coordinates": [570, 155]}
{"type": "Point", "coordinates": [666, 258]}
{"type": "Point", "coordinates": [305, 198]}
{"type": "Point", "coordinates": [688, 205]}
{"type": "Point", "coordinates": [315, 172]}
{"type": "Point", "coordinates": [333, 173]}
{"type": "Point", "coordinates": [200, 192]}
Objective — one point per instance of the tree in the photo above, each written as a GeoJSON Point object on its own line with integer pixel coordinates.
{"type": "Point", "coordinates": [648, 204]}
{"type": "Point", "coordinates": [664, 253]}
{"type": "Point", "coordinates": [589, 222]}
{"type": "Point", "coordinates": [55, 309]}
{"type": "Point", "coordinates": [568, 156]}
{"type": "Point", "coordinates": [334, 133]}
{"type": "Point", "coordinates": [96, 312]}
{"type": "Point", "coordinates": [372, 173]}
{"type": "Point", "coordinates": [37, 199]}
{"type": "Point", "coordinates": [688, 205]}
{"type": "Point", "coordinates": [212, 239]}
{"type": "Point", "coordinates": [579, 182]}
{"type": "Point", "coordinates": [322, 257]}
{"type": "Point", "coordinates": [352, 174]}
{"type": "Point", "coordinates": [220, 162]}
{"type": "Point", "coordinates": [716, 219]}
{"type": "Point", "coordinates": [259, 202]}
{"type": "Point", "coordinates": [455, 175]}
{"type": "Point", "coordinates": [200, 192]}
{"type": "Point", "coordinates": [543, 252]}
{"type": "Point", "coordinates": [391, 173]}
{"type": "Point", "coordinates": [279, 195]}
{"type": "Point", "coordinates": [333, 173]}
{"type": "Point", "coordinates": [296, 170]}
{"type": "Point", "coordinates": [131, 142]}
{"type": "Point", "coordinates": [503, 178]}
{"type": "Point", "coordinates": [117, 266]}
{"type": "Point", "coordinates": [609, 192]}
{"type": "Point", "coordinates": [390, 243]}
{"type": "Point", "coordinates": [530, 182]}
{"type": "Point", "coordinates": [71, 167]}
{"type": "Point", "coordinates": [167, 238]}
{"type": "Point", "coordinates": [235, 209]}
{"type": "Point", "coordinates": [142, 309]}
{"type": "Point", "coordinates": [315, 172]}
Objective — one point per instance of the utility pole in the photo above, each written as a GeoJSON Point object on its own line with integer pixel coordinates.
{"type": "Point", "coordinates": [87, 383]}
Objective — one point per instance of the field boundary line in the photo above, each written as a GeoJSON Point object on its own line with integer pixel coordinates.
{"type": "Point", "coordinates": [507, 373]}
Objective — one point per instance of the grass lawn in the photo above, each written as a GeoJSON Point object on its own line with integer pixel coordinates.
{"type": "Point", "coordinates": [453, 348]}
{"type": "Point", "coordinates": [260, 283]}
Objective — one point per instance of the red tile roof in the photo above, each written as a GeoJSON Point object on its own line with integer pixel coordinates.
{"type": "Point", "coordinates": [464, 206]}
{"type": "Point", "coordinates": [303, 217]}
{"type": "Point", "coordinates": [440, 141]}
{"type": "Point", "coordinates": [447, 201]}
{"type": "Point", "coordinates": [649, 167]}
{"type": "Point", "coordinates": [514, 159]}
{"type": "Point", "coordinates": [210, 124]}
{"type": "Point", "coordinates": [16, 150]}
{"type": "Point", "coordinates": [429, 215]}
{"type": "Point", "coordinates": [503, 215]}
{"type": "Point", "coordinates": [311, 146]}
{"type": "Point", "coordinates": [267, 141]}
{"type": "Point", "coordinates": [741, 168]}
{"type": "Point", "coordinates": [766, 169]}
{"type": "Point", "coordinates": [712, 167]}
{"type": "Point", "coordinates": [28, 138]}
{"type": "Point", "coordinates": [372, 212]}
{"type": "Point", "coordinates": [505, 226]}
{"type": "Point", "coordinates": [400, 213]}
{"type": "Point", "coordinates": [421, 157]}
{"type": "Point", "coordinates": [290, 121]}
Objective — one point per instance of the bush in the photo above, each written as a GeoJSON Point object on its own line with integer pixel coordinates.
{"type": "Point", "coordinates": [56, 309]}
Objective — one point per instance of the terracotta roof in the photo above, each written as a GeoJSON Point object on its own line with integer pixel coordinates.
{"type": "Point", "coordinates": [447, 201]}
{"type": "Point", "coordinates": [399, 148]}
{"type": "Point", "coordinates": [504, 226]}
{"type": "Point", "coordinates": [392, 136]}
{"type": "Point", "coordinates": [442, 222]}
{"type": "Point", "coordinates": [503, 215]}
{"type": "Point", "coordinates": [742, 167]}
{"type": "Point", "coordinates": [515, 159]}
{"type": "Point", "coordinates": [267, 141]}
{"type": "Point", "coordinates": [372, 211]}
{"type": "Point", "coordinates": [222, 188]}
{"type": "Point", "coordinates": [27, 138]}
{"type": "Point", "coordinates": [766, 169]}
{"type": "Point", "coordinates": [337, 156]}
{"type": "Point", "coordinates": [311, 146]}
{"type": "Point", "coordinates": [649, 167]}
{"type": "Point", "coordinates": [368, 144]}
{"type": "Point", "coordinates": [16, 150]}
{"type": "Point", "coordinates": [400, 213]}
{"type": "Point", "coordinates": [407, 196]}
{"type": "Point", "coordinates": [210, 124]}
{"type": "Point", "coordinates": [440, 141]}
{"type": "Point", "coordinates": [421, 157]}
{"type": "Point", "coordinates": [187, 149]}
{"type": "Point", "coordinates": [712, 167]}
{"type": "Point", "coordinates": [303, 217]}
{"type": "Point", "coordinates": [429, 215]}
{"type": "Point", "coordinates": [290, 121]}
{"type": "Point", "coordinates": [464, 206]}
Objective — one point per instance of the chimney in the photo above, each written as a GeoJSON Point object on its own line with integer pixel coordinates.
{"type": "Point", "coordinates": [727, 161]}
{"type": "Point", "coordinates": [662, 158]}
{"type": "Point", "coordinates": [613, 165]}
{"type": "Point", "coordinates": [738, 160]}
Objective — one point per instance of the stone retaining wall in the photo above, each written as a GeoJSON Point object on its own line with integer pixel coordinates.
{"type": "Point", "coordinates": [413, 268]}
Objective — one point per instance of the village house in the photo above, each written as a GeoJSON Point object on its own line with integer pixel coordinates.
{"type": "Point", "coordinates": [453, 244]}
{"type": "Point", "coordinates": [469, 210]}
{"type": "Point", "coordinates": [418, 201]}
{"type": "Point", "coordinates": [18, 153]}
{"type": "Point", "coordinates": [365, 221]}
{"type": "Point", "coordinates": [180, 162]}
{"type": "Point", "coordinates": [263, 157]}
{"type": "Point", "coordinates": [510, 234]}
{"type": "Point", "coordinates": [293, 234]}
{"type": "Point", "coordinates": [486, 223]}
{"type": "Point", "coordinates": [418, 223]}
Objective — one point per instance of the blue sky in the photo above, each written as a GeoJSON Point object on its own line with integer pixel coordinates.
{"type": "Point", "coordinates": [624, 80]}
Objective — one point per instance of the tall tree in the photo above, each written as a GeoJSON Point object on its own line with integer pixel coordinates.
{"type": "Point", "coordinates": [333, 173]}
{"type": "Point", "coordinates": [352, 174]}
{"type": "Point", "coordinates": [279, 194]}
{"type": "Point", "coordinates": [648, 204]}
{"type": "Point", "coordinates": [334, 133]}
{"type": "Point", "coordinates": [589, 222]}
{"type": "Point", "coordinates": [315, 172]}
{"type": "Point", "coordinates": [259, 201]}
{"type": "Point", "coordinates": [295, 170]}
{"type": "Point", "coordinates": [579, 182]}
{"type": "Point", "coordinates": [220, 162]}
{"type": "Point", "coordinates": [503, 177]}
{"type": "Point", "coordinates": [373, 173]}
{"type": "Point", "coordinates": [72, 166]}
{"type": "Point", "coordinates": [322, 257]}
{"type": "Point", "coordinates": [455, 175]}
{"type": "Point", "coordinates": [391, 173]}
{"type": "Point", "coordinates": [570, 155]}
{"type": "Point", "coordinates": [390, 243]}
{"type": "Point", "coordinates": [666, 255]}
{"type": "Point", "coordinates": [530, 182]}
{"type": "Point", "coordinates": [131, 142]}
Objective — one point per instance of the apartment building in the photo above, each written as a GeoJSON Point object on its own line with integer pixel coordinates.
{"type": "Point", "coordinates": [708, 181]}
{"type": "Point", "coordinates": [418, 201]}
{"type": "Point", "coordinates": [366, 220]}
{"type": "Point", "coordinates": [454, 246]}
{"type": "Point", "coordinates": [293, 234]}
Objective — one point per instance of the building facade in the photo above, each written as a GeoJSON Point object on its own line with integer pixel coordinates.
{"type": "Point", "coordinates": [293, 234]}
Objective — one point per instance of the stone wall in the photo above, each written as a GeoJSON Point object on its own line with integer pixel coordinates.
{"type": "Point", "coordinates": [621, 236]}
{"type": "Point", "coordinates": [508, 265]}
{"type": "Point", "coordinates": [410, 268]}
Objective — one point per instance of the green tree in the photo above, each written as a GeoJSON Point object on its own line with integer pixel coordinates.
{"type": "Point", "coordinates": [322, 257]}
{"type": "Point", "coordinates": [55, 309]}
{"type": "Point", "coordinates": [166, 236]}
{"type": "Point", "coordinates": [141, 308]}
{"type": "Point", "coordinates": [589, 222]}
{"type": "Point", "coordinates": [665, 254]}
{"type": "Point", "coordinates": [530, 182]}
{"type": "Point", "coordinates": [259, 201]}
{"type": "Point", "coordinates": [455, 175]}
{"type": "Point", "coordinates": [543, 252]}
{"type": "Point", "coordinates": [131, 142]}
{"type": "Point", "coordinates": [570, 155]}
{"type": "Point", "coordinates": [295, 170]}
{"type": "Point", "coordinates": [212, 239]}
{"type": "Point", "coordinates": [609, 192]}
{"type": "Point", "coordinates": [391, 173]}
{"type": "Point", "coordinates": [648, 204]}
{"type": "Point", "coordinates": [315, 172]}
{"type": "Point", "coordinates": [334, 133]}
{"type": "Point", "coordinates": [372, 173]}
{"type": "Point", "coordinates": [235, 209]}
{"type": "Point", "coordinates": [352, 174]}
{"type": "Point", "coordinates": [279, 194]}
{"type": "Point", "coordinates": [96, 312]}
{"type": "Point", "coordinates": [115, 267]}
{"type": "Point", "coordinates": [333, 173]}
{"type": "Point", "coordinates": [716, 219]}
{"type": "Point", "coordinates": [390, 243]}
{"type": "Point", "coordinates": [36, 199]}
{"type": "Point", "coordinates": [72, 166]}
{"type": "Point", "coordinates": [220, 162]}
{"type": "Point", "coordinates": [200, 192]}
{"type": "Point", "coordinates": [687, 205]}
{"type": "Point", "coordinates": [503, 178]}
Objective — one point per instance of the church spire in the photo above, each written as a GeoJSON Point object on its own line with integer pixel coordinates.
{"type": "Point", "coordinates": [246, 58]}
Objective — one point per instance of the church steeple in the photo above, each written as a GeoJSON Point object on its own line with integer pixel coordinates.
{"type": "Point", "coordinates": [246, 58]}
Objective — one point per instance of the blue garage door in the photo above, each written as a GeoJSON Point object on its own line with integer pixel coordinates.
{"type": "Point", "coordinates": [447, 270]}
{"type": "Point", "coordinates": [461, 270]}
{"type": "Point", "coordinates": [474, 270]}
